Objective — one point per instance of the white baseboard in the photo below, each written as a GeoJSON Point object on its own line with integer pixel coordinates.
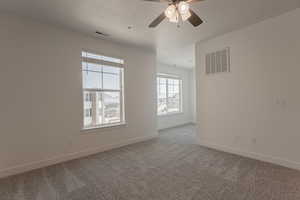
{"type": "Point", "coordinates": [71, 156]}
{"type": "Point", "coordinates": [176, 126]}
{"type": "Point", "coordinates": [256, 156]}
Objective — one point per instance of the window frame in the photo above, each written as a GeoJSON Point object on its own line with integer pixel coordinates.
{"type": "Point", "coordinates": [120, 91]}
{"type": "Point", "coordinates": [174, 77]}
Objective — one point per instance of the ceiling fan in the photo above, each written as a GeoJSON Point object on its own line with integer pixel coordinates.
{"type": "Point", "coordinates": [176, 11]}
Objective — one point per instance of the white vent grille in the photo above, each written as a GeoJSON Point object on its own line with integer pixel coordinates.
{"type": "Point", "coordinates": [217, 62]}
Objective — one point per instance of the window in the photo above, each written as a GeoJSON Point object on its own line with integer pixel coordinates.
{"type": "Point", "coordinates": [168, 94]}
{"type": "Point", "coordinates": [102, 79]}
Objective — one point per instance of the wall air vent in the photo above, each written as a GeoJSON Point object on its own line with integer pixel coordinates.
{"type": "Point", "coordinates": [217, 62]}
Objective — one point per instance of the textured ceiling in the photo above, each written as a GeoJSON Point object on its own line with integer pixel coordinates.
{"type": "Point", "coordinates": [174, 45]}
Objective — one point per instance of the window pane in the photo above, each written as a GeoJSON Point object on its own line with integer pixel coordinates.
{"type": "Point", "coordinates": [176, 82]}
{"type": "Point", "coordinates": [91, 80]}
{"type": "Point", "coordinates": [102, 108]}
{"type": "Point", "coordinates": [162, 80]}
{"type": "Point", "coordinates": [111, 102]}
{"type": "Point", "coordinates": [173, 104]}
{"type": "Point", "coordinates": [99, 109]}
{"type": "Point", "coordinates": [173, 97]}
{"type": "Point", "coordinates": [91, 67]}
{"type": "Point", "coordinates": [162, 91]}
{"type": "Point", "coordinates": [87, 109]}
{"type": "Point", "coordinates": [162, 106]}
{"type": "Point", "coordinates": [111, 81]}
{"type": "Point", "coordinates": [170, 81]}
{"type": "Point", "coordinates": [113, 70]}
{"type": "Point", "coordinates": [162, 96]}
{"type": "Point", "coordinates": [176, 89]}
{"type": "Point", "coordinates": [170, 90]}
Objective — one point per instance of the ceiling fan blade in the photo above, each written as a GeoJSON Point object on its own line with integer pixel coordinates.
{"type": "Point", "coordinates": [158, 20]}
{"type": "Point", "coordinates": [193, 1]}
{"type": "Point", "coordinates": [158, 1]}
{"type": "Point", "coordinates": [195, 19]}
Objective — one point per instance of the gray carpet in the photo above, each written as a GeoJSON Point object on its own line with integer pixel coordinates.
{"type": "Point", "coordinates": [172, 167]}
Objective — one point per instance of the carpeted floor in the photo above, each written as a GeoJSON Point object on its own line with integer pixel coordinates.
{"type": "Point", "coordinates": [172, 167]}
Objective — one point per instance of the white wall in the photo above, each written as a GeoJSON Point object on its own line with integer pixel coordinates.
{"type": "Point", "coordinates": [186, 116]}
{"type": "Point", "coordinates": [193, 95]}
{"type": "Point", "coordinates": [41, 97]}
{"type": "Point", "coordinates": [255, 109]}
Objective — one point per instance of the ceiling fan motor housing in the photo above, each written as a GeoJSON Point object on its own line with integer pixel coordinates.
{"type": "Point", "coordinates": [178, 9]}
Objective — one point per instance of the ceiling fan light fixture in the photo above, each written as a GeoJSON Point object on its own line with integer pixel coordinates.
{"type": "Point", "coordinates": [174, 18]}
{"type": "Point", "coordinates": [177, 11]}
{"type": "Point", "coordinates": [183, 7]}
{"type": "Point", "coordinates": [170, 11]}
{"type": "Point", "coordinates": [186, 16]}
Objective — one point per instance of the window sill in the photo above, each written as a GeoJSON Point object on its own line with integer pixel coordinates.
{"type": "Point", "coordinates": [104, 127]}
{"type": "Point", "coordinates": [170, 114]}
